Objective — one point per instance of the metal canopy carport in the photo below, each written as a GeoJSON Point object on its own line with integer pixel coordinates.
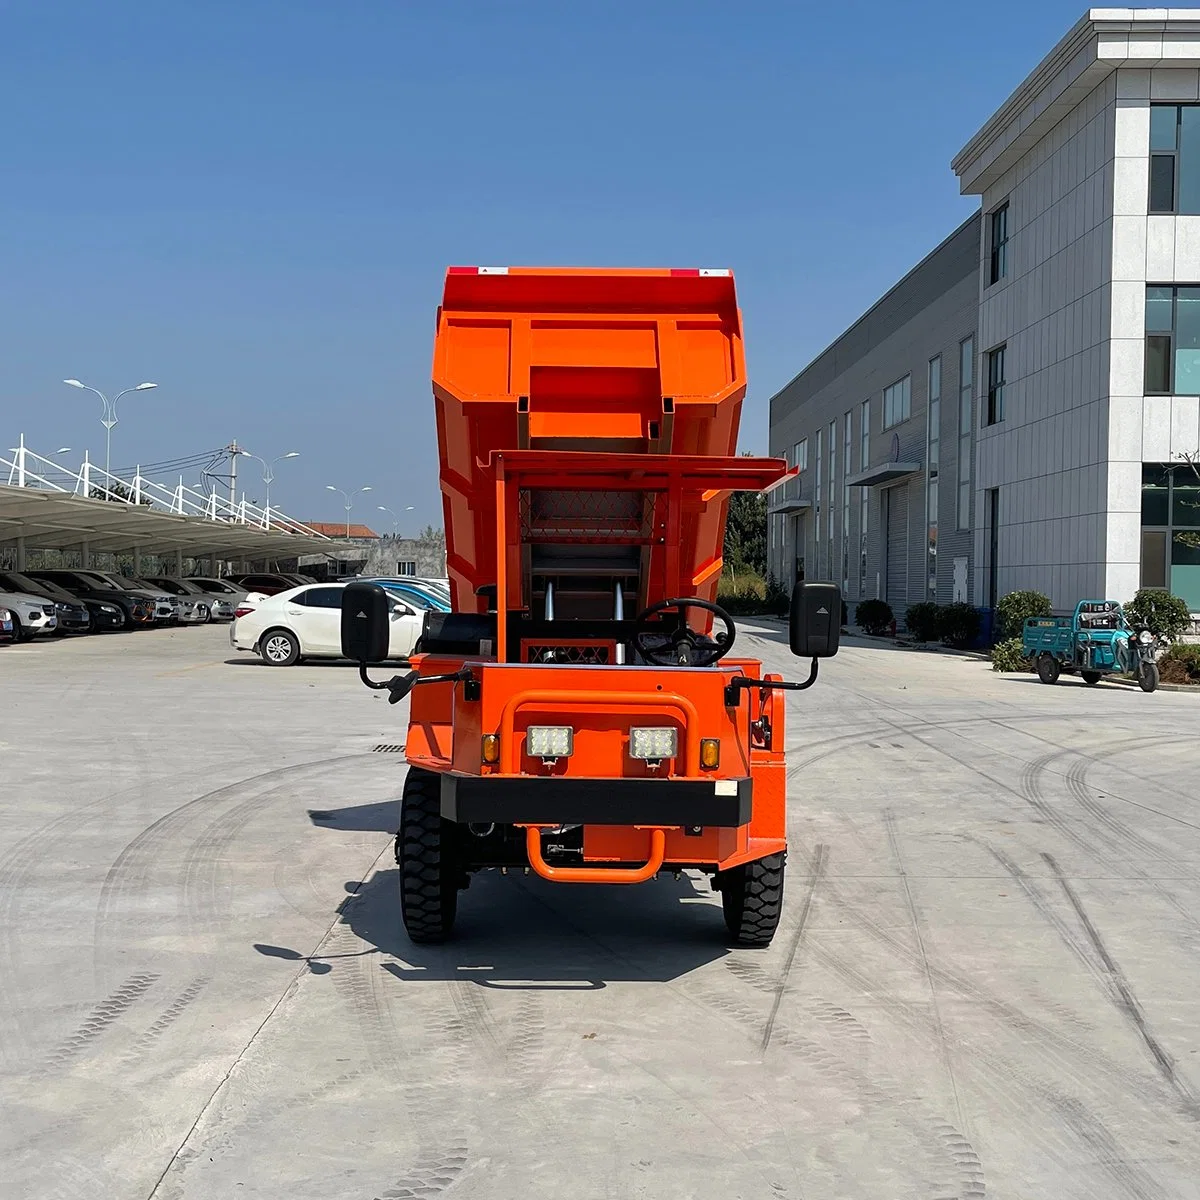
{"type": "Point", "coordinates": [46, 520]}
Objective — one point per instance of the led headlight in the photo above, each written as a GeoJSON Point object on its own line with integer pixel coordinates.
{"type": "Point", "coordinates": [1145, 637]}
{"type": "Point", "coordinates": [654, 744]}
{"type": "Point", "coordinates": [549, 741]}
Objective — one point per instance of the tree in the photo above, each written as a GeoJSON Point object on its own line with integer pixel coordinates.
{"type": "Point", "coordinates": [117, 492]}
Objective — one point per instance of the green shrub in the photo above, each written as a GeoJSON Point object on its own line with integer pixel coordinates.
{"type": "Point", "coordinates": [1009, 655]}
{"type": "Point", "coordinates": [960, 625]}
{"type": "Point", "coordinates": [1015, 608]}
{"type": "Point", "coordinates": [1159, 611]}
{"type": "Point", "coordinates": [924, 621]}
{"type": "Point", "coordinates": [1180, 664]}
{"type": "Point", "coordinates": [874, 616]}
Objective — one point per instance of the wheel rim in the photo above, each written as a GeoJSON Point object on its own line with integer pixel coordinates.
{"type": "Point", "coordinates": [278, 648]}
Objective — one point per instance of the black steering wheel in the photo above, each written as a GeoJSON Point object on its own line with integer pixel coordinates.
{"type": "Point", "coordinates": [676, 644]}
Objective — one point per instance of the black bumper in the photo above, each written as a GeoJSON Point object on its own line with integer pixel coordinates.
{"type": "Point", "coordinates": [531, 800]}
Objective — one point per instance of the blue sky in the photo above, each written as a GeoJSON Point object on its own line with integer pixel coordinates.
{"type": "Point", "coordinates": [252, 202]}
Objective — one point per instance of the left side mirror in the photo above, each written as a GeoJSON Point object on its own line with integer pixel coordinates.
{"type": "Point", "coordinates": [815, 623]}
{"type": "Point", "coordinates": [365, 634]}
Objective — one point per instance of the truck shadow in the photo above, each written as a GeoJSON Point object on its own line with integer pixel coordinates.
{"type": "Point", "coordinates": [520, 933]}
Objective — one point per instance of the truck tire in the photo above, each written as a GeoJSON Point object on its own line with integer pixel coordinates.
{"type": "Point", "coordinates": [752, 900]}
{"type": "Point", "coordinates": [1048, 669]}
{"type": "Point", "coordinates": [1090, 677]}
{"type": "Point", "coordinates": [1147, 676]}
{"type": "Point", "coordinates": [426, 856]}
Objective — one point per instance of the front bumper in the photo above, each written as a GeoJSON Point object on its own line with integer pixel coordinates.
{"type": "Point", "coordinates": [74, 622]}
{"type": "Point", "coordinates": [535, 800]}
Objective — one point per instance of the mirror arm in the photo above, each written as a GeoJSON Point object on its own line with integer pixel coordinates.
{"type": "Point", "coordinates": [400, 685]}
{"type": "Point", "coordinates": [744, 682]}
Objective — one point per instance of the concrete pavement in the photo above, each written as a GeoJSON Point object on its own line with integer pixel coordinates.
{"type": "Point", "coordinates": [985, 983]}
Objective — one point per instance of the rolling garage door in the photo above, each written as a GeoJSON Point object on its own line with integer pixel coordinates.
{"type": "Point", "coordinates": [896, 500]}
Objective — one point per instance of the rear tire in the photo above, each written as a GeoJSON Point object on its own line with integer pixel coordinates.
{"type": "Point", "coordinates": [279, 648]}
{"type": "Point", "coordinates": [1090, 677]}
{"type": "Point", "coordinates": [426, 853]}
{"type": "Point", "coordinates": [752, 900]}
{"type": "Point", "coordinates": [1148, 676]}
{"type": "Point", "coordinates": [1048, 669]}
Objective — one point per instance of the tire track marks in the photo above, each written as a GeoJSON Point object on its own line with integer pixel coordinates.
{"type": "Point", "coordinates": [100, 1018]}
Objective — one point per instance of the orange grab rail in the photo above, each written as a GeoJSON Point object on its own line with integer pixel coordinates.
{"type": "Point", "coordinates": [608, 700]}
{"type": "Point", "coordinates": [658, 852]}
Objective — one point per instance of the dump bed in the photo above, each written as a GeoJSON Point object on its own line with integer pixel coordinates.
{"type": "Point", "coordinates": [554, 363]}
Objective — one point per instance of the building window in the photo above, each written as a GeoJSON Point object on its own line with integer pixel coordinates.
{"type": "Point", "coordinates": [864, 496]}
{"type": "Point", "coordinates": [1173, 341]}
{"type": "Point", "coordinates": [406, 566]}
{"type": "Point", "coordinates": [934, 453]}
{"type": "Point", "coordinates": [897, 402]}
{"type": "Point", "coordinates": [966, 408]}
{"type": "Point", "coordinates": [832, 493]}
{"type": "Point", "coordinates": [847, 451]}
{"type": "Point", "coordinates": [1175, 158]}
{"type": "Point", "coordinates": [800, 455]}
{"type": "Point", "coordinates": [817, 510]}
{"type": "Point", "coordinates": [1171, 530]}
{"type": "Point", "coordinates": [998, 224]}
{"type": "Point", "coordinates": [995, 383]}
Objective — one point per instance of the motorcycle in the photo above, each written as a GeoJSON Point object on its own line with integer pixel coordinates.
{"type": "Point", "coordinates": [1144, 650]}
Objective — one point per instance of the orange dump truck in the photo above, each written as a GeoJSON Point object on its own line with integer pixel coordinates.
{"type": "Point", "coordinates": [583, 711]}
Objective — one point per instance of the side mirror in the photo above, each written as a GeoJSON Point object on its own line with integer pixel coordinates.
{"type": "Point", "coordinates": [365, 623]}
{"type": "Point", "coordinates": [815, 620]}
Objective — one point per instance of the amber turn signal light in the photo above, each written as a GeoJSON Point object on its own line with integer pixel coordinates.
{"type": "Point", "coordinates": [710, 753]}
{"type": "Point", "coordinates": [490, 749]}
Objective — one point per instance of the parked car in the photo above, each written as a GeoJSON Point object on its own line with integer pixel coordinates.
{"type": "Point", "coordinates": [137, 611]}
{"type": "Point", "coordinates": [213, 586]}
{"type": "Point", "coordinates": [32, 615]}
{"type": "Point", "coordinates": [167, 609]}
{"type": "Point", "coordinates": [190, 610]}
{"type": "Point", "coordinates": [220, 606]}
{"type": "Point", "coordinates": [307, 623]}
{"type": "Point", "coordinates": [419, 595]}
{"type": "Point", "coordinates": [74, 615]}
{"type": "Point", "coordinates": [267, 584]}
{"type": "Point", "coordinates": [6, 625]}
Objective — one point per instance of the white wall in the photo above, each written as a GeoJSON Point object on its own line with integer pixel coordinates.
{"type": "Point", "coordinates": [1049, 456]}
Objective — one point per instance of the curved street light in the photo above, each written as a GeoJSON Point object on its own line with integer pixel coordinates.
{"type": "Point", "coordinates": [395, 518]}
{"type": "Point", "coordinates": [269, 473]}
{"type": "Point", "coordinates": [109, 419]}
{"type": "Point", "coordinates": [349, 498]}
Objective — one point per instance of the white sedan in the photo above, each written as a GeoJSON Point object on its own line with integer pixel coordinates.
{"type": "Point", "coordinates": [306, 622]}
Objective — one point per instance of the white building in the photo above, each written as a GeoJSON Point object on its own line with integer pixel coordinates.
{"type": "Point", "coordinates": [1087, 342]}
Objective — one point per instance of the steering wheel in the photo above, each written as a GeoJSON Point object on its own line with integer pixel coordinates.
{"type": "Point", "coordinates": [678, 645]}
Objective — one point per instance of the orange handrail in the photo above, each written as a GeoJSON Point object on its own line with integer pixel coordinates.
{"type": "Point", "coordinates": [658, 852]}
{"type": "Point", "coordinates": [612, 701]}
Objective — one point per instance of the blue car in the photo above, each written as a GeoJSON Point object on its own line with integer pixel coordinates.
{"type": "Point", "coordinates": [414, 594]}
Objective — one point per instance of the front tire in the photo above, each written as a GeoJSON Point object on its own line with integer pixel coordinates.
{"type": "Point", "coordinates": [279, 648]}
{"type": "Point", "coordinates": [1048, 669]}
{"type": "Point", "coordinates": [1147, 676]}
{"type": "Point", "coordinates": [752, 900]}
{"type": "Point", "coordinates": [426, 854]}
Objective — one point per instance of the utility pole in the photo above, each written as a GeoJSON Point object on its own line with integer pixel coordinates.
{"type": "Point", "coordinates": [234, 451]}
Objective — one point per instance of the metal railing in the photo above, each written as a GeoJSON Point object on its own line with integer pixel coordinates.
{"type": "Point", "coordinates": [27, 469]}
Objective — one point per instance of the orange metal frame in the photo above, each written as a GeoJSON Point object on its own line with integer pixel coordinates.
{"type": "Point", "coordinates": [597, 381]}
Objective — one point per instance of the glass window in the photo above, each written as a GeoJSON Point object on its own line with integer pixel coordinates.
{"type": "Point", "coordinates": [966, 408]}
{"type": "Point", "coordinates": [1154, 558]}
{"type": "Point", "coordinates": [1173, 341]}
{"type": "Point", "coordinates": [799, 457]}
{"type": "Point", "coordinates": [995, 405]}
{"type": "Point", "coordinates": [897, 402]}
{"type": "Point", "coordinates": [1185, 502]}
{"type": "Point", "coordinates": [1175, 158]}
{"type": "Point", "coordinates": [817, 510]}
{"type": "Point", "coordinates": [847, 453]}
{"type": "Point", "coordinates": [406, 567]}
{"type": "Point", "coordinates": [1156, 505]}
{"type": "Point", "coordinates": [935, 413]}
{"type": "Point", "coordinates": [864, 436]}
{"type": "Point", "coordinates": [321, 597]}
{"type": "Point", "coordinates": [998, 223]}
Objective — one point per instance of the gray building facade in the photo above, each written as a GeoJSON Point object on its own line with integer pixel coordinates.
{"type": "Point", "coordinates": [881, 427]}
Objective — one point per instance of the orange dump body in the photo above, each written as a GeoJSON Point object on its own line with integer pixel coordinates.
{"type": "Point", "coordinates": [587, 427]}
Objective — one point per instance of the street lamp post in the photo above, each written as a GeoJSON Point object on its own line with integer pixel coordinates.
{"type": "Point", "coordinates": [349, 498]}
{"type": "Point", "coordinates": [269, 474]}
{"type": "Point", "coordinates": [395, 518]}
{"type": "Point", "coordinates": [109, 419]}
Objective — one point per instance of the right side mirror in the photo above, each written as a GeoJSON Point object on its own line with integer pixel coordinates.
{"type": "Point", "coordinates": [366, 635]}
{"type": "Point", "coordinates": [815, 623]}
